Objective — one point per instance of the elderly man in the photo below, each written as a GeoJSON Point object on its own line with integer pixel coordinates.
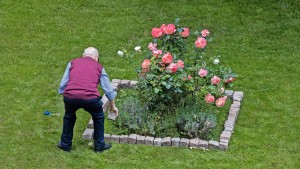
{"type": "Point", "coordinates": [79, 87]}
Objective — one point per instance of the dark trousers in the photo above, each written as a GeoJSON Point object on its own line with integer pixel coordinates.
{"type": "Point", "coordinates": [94, 107]}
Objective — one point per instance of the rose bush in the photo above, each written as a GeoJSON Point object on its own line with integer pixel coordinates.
{"type": "Point", "coordinates": [176, 77]}
{"type": "Point", "coordinates": [175, 73]}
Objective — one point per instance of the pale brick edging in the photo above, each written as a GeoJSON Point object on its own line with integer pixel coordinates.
{"type": "Point", "coordinates": [222, 144]}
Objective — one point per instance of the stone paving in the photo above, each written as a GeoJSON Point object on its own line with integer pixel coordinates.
{"type": "Point", "coordinates": [221, 144]}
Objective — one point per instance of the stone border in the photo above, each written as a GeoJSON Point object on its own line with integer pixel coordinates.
{"type": "Point", "coordinates": [222, 144]}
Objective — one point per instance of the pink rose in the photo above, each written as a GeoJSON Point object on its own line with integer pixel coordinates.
{"type": "Point", "coordinates": [200, 42]}
{"type": "Point", "coordinates": [173, 67]}
{"type": "Point", "coordinates": [156, 32]}
{"type": "Point", "coordinates": [202, 72]}
{"type": "Point", "coordinates": [156, 53]}
{"type": "Point", "coordinates": [180, 64]}
{"type": "Point", "coordinates": [209, 98]}
{"type": "Point", "coordinates": [163, 28]}
{"type": "Point", "coordinates": [146, 64]}
{"type": "Point", "coordinates": [205, 33]}
{"type": "Point", "coordinates": [190, 77]}
{"type": "Point", "coordinates": [167, 58]}
{"type": "Point", "coordinates": [215, 80]}
{"type": "Point", "coordinates": [230, 80]}
{"type": "Point", "coordinates": [170, 29]}
{"type": "Point", "coordinates": [185, 33]}
{"type": "Point", "coordinates": [221, 101]}
{"type": "Point", "coordinates": [152, 46]}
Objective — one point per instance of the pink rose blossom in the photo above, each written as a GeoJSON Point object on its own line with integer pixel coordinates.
{"type": "Point", "coordinates": [215, 80]}
{"type": "Point", "coordinates": [167, 58]}
{"type": "Point", "coordinates": [146, 64]}
{"type": "Point", "coordinates": [185, 33]}
{"type": "Point", "coordinates": [156, 53]}
{"type": "Point", "coordinates": [209, 98]}
{"type": "Point", "coordinates": [163, 28]}
{"type": "Point", "coordinates": [152, 46]}
{"type": "Point", "coordinates": [205, 33]}
{"type": "Point", "coordinates": [200, 42]}
{"type": "Point", "coordinates": [221, 101]}
{"type": "Point", "coordinates": [202, 72]}
{"type": "Point", "coordinates": [230, 80]}
{"type": "Point", "coordinates": [173, 67]}
{"type": "Point", "coordinates": [190, 77]}
{"type": "Point", "coordinates": [180, 64]}
{"type": "Point", "coordinates": [156, 32]}
{"type": "Point", "coordinates": [170, 29]}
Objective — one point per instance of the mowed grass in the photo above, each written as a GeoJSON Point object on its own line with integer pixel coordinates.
{"type": "Point", "coordinates": [259, 40]}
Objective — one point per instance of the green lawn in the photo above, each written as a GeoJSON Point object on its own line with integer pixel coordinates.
{"type": "Point", "coordinates": [258, 39]}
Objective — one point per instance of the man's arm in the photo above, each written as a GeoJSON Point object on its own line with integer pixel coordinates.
{"type": "Point", "coordinates": [108, 90]}
{"type": "Point", "coordinates": [64, 80]}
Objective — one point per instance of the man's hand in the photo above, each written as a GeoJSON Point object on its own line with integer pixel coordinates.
{"type": "Point", "coordinates": [114, 110]}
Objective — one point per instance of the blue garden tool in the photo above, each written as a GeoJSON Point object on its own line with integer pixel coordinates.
{"type": "Point", "coordinates": [48, 113]}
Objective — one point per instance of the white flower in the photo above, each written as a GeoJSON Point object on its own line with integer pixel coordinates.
{"type": "Point", "coordinates": [91, 144]}
{"type": "Point", "coordinates": [216, 61]}
{"type": "Point", "coordinates": [137, 48]}
{"type": "Point", "coordinates": [120, 53]}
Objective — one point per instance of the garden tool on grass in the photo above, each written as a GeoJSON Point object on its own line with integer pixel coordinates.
{"type": "Point", "coordinates": [48, 113]}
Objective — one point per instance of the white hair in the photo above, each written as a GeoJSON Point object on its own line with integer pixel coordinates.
{"type": "Point", "coordinates": [91, 52]}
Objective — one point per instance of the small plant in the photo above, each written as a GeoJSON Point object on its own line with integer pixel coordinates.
{"type": "Point", "coordinates": [195, 124]}
{"type": "Point", "coordinates": [135, 118]}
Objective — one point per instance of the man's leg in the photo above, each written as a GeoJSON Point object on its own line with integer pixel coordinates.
{"type": "Point", "coordinates": [71, 106]}
{"type": "Point", "coordinates": [94, 107]}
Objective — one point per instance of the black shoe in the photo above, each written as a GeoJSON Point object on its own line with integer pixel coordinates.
{"type": "Point", "coordinates": [60, 147]}
{"type": "Point", "coordinates": [106, 147]}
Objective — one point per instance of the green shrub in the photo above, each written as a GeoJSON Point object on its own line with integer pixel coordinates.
{"type": "Point", "coordinates": [192, 123]}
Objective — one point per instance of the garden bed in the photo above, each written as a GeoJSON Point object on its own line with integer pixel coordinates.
{"type": "Point", "coordinates": [222, 143]}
